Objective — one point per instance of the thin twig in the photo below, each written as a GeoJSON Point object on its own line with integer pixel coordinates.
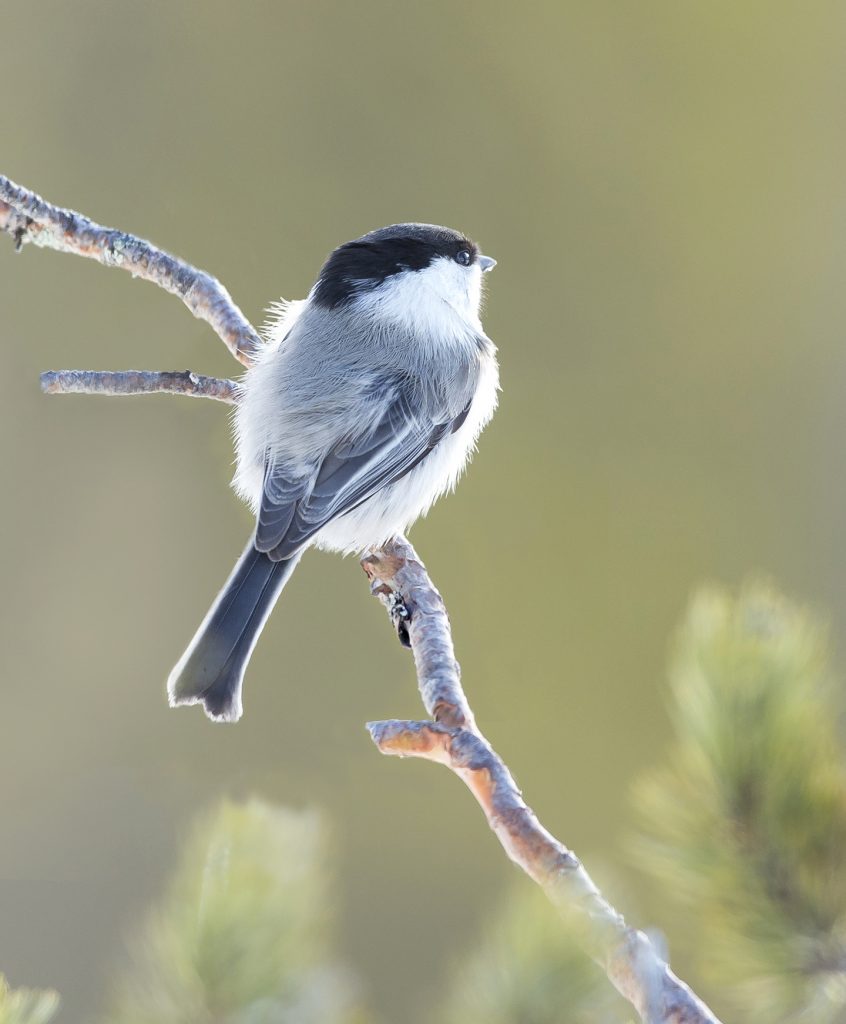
{"type": "Point", "coordinates": [399, 579]}
{"type": "Point", "coordinates": [28, 218]}
{"type": "Point", "coordinates": [138, 382]}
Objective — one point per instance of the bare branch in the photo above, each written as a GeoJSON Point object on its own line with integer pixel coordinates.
{"type": "Point", "coordinates": [399, 579]}
{"type": "Point", "coordinates": [138, 382]}
{"type": "Point", "coordinates": [28, 218]}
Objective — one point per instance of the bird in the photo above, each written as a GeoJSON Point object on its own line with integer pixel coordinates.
{"type": "Point", "coordinates": [362, 408]}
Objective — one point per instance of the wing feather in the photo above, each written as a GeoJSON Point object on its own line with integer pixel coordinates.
{"type": "Point", "coordinates": [295, 506]}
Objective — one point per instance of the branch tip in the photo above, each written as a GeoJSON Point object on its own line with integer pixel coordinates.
{"type": "Point", "coordinates": [139, 382]}
{"type": "Point", "coordinates": [409, 739]}
{"type": "Point", "coordinates": [28, 218]}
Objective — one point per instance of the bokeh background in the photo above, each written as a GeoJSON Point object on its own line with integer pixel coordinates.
{"type": "Point", "coordinates": [663, 187]}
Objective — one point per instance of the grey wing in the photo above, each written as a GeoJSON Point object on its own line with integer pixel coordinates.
{"type": "Point", "coordinates": [294, 508]}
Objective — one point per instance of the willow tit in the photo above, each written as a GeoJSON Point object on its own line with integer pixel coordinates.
{"type": "Point", "coordinates": [361, 410]}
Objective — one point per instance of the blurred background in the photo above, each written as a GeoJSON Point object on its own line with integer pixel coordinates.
{"type": "Point", "coordinates": [663, 187]}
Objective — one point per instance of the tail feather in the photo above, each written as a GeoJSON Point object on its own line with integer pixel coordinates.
{"type": "Point", "coordinates": [211, 670]}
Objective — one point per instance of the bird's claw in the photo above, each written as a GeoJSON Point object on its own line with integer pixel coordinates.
{"type": "Point", "coordinates": [401, 618]}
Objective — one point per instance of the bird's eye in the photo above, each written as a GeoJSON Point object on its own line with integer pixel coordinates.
{"type": "Point", "coordinates": [463, 257]}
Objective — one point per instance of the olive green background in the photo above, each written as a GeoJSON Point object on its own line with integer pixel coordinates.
{"type": "Point", "coordinates": [663, 187]}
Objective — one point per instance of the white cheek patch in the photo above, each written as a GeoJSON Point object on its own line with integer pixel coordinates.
{"type": "Point", "coordinates": [443, 298]}
{"type": "Point", "coordinates": [460, 287]}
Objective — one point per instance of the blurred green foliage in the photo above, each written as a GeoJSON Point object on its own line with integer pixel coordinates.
{"type": "Point", "coordinates": [528, 968]}
{"type": "Point", "coordinates": [242, 935]}
{"type": "Point", "coordinates": [744, 828]}
{"type": "Point", "coordinates": [743, 832]}
{"type": "Point", "coordinates": [26, 1006]}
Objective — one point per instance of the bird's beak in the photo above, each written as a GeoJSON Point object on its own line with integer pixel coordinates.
{"type": "Point", "coordinates": [486, 263]}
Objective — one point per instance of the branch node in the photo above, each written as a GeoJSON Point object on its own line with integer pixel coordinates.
{"type": "Point", "coordinates": [446, 713]}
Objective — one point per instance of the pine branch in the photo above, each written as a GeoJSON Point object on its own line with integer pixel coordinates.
{"type": "Point", "coordinates": [744, 826]}
{"type": "Point", "coordinates": [25, 1005]}
{"type": "Point", "coordinates": [244, 929]}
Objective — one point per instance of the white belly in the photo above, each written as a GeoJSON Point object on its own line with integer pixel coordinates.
{"type": "Point", "coordinates": [393, 509]}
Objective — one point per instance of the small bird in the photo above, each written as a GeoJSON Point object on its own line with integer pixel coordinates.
{"type": "Point", "coordinates": [361, 410]}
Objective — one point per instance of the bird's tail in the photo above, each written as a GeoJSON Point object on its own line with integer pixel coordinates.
{"type": "Point", "coordinates": [211, 670]}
